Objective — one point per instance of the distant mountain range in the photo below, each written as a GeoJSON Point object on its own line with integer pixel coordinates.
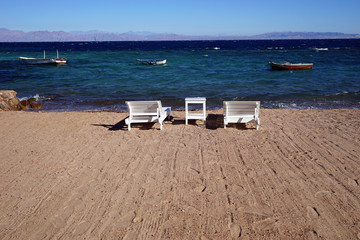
{"type": "Point", "coordinates": [7, 35]}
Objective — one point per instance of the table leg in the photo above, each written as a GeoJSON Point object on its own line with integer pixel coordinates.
{"type": "Point", "coordinates": [204, 112]}
{"type": "Point", "coordinates": [186, 114]}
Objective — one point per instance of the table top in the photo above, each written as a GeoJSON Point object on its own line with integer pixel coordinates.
{"type": "Point", "coordinates": [195, 99]}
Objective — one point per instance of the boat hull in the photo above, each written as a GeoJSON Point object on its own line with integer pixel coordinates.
{"type": "Point", "coordinates": [43, 60]}
{"type": "Point", "coordinates": [290, 66]}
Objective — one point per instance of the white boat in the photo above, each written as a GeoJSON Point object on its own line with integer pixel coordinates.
{"type": "Point", "coordinates": [44, 60]}
{"type": "Point", "coordinates": [321, 49]}
{"type": "Point", "coordinates": [152, 61]}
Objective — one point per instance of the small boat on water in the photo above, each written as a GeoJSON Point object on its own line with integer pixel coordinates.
{"type": "Point", "coordinates": [152, 61]}
{"type": "Point", "coordinates": [44, 60]}
{"type": "Point", "coordinates": [290, 66]}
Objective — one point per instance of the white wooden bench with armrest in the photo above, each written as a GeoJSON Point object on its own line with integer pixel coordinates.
{"type": "Point", "coordinates": [241, 112]}
{"type": "Point", "coordinates": [146, 112]}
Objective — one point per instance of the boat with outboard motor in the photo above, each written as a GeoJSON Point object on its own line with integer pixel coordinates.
{"type": "Point", "coordinates": [44, 60]}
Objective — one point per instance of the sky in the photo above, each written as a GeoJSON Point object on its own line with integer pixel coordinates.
{"type": "Point", "coordinates": [188, 17]}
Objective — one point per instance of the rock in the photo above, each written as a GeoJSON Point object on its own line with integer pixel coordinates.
{"type": "Point", "coordinates": [32, 100]}
{"type": "Point", "coordinates": [8, 101]}
{"type": "Point", "coordinates": [35, 105]}
{"type": "Point", "coordinates": [25, 104]}
{"type": "Point", "coordinates": [14, 104]}
{"type": "Point", "coordinates": [4, 106]}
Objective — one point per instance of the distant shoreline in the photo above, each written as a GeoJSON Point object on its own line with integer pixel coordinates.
{"type": "Point", "coordinates": [199, 40]}
{"type": "Point", "coordinates": [7, 35]}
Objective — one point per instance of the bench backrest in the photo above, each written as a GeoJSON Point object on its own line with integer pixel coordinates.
{"type": "Point", "coordinates": [143, 107]}
{"type": "Point", "coordinates": [238, 108]}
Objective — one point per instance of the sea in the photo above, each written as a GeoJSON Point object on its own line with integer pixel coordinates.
{"type": "Point", "coordinates": [101, 76]}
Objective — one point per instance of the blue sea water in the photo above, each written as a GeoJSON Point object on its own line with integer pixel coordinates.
{"type": "Point", "coordinates": [103, 75]}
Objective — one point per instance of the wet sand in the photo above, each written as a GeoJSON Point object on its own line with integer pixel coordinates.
{"type": "Point", "coordinates": [82, 175]}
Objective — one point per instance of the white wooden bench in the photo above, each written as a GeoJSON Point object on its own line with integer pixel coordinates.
{"type": "Point", "coordinates": [241, 112]}
{"type": "Point", "coordinates": [145, 112]}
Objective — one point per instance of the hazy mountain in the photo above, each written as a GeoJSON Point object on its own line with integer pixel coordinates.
{"type": "Point", "coordinates": [305, 35]}
{"type": "Point", "coordinates": [86, 32]}
{"type": "Point", "coordinates": [7, 35]}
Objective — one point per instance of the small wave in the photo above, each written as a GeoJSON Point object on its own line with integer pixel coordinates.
{"type": "Point", "coordinates": [37, 98]}
{"type": "Point", "coordinates": [321, 49]}
{"type": "Point", "coordinates": [341, 93]}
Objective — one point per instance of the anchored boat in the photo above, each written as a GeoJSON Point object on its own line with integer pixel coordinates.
{"type": "Point", "coordinates": [290, 66]}
{"type": "Point", "coordinates": [152, 61]}
{"type": "Point", "coordinates": [44, 60]}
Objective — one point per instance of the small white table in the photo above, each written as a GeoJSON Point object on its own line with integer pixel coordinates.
{"type": "Point", "coordinates": [197, 100]}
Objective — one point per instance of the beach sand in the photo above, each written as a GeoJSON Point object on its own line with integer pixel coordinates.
{"type": "Point", "coordinates": [82, 175]}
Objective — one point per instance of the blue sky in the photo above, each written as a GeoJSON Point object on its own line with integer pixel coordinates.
{"type": "Point", "coordinates": [190, 17]}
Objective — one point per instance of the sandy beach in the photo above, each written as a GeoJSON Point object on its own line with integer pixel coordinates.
{"type": "Point", "coordinates": [82, 175]}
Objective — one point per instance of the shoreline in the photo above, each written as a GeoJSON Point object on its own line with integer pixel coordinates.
{"type": "Point", "coordinates": [82, 175]}
{"type": "Point", "coordinates": [182, 109]}
{"type": "Point", "coordinates": [210, 107]}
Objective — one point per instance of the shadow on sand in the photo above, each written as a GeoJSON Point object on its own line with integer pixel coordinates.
{"type": "Point", "coordinates": [213, 122]}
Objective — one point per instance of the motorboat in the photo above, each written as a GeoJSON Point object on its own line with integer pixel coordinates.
{"type": "Point", "coordinates": [290, 66]}
{"type": "Point", "coordinates": [44, 60]}
{"type": "Point", "coordinates": [152, 61]}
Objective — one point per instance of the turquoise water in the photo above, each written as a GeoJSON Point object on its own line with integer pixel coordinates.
{"type": "Point", "coordinates": [102, 76]}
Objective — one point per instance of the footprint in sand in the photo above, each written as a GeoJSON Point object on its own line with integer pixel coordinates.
{"type": "Point", "coordinates": [193, 171]}
{"type": "Point", "coordinates": [131, 235]}
{"type": "Point", "coordinates": [312, 212]}
{"type": "Point", "coordinates": [311, 234]}
{"type": "Point", "coordinates": [59, 221]}
{"type": "Point", "coordinates": [353, 182]}
{"type": "Point", "coordinates": [122, 221]}
{"type": "Point", "coordinates": [79, 192]}
{"type": "Point", "coordinates": [322, 193]}
{"type": "Point", "coordinates": [81, 228]}
{"type": "Point", "coordinates": [235, 230]}
{"type": "Point", "coordinates": [77, 204]}
{"type": "Point", "coordinates": [93, 184]}
{"type": "Point", "coordinates": [239, 190]}
{"type": "Point", "coordinates": [73, 171]}
{"type": "Point", "coordinates": [266, 224]}
{"type": "Point", "coordinates": [170, 223]}
{"type": "Point", "coordinates": [199, 188]}
{"type": "Point", "coordinates": [219, 177]}
{"type": "Point", "coordinates": [263, 211]}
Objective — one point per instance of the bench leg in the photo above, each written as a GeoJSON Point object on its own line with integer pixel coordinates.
{"type": "Point", "coordinates": [168, 117]}
{"type": "Point", "coordinates": [129, 127]}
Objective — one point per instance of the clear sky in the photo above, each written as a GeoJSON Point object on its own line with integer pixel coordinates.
{"type": "Point", "coordinates": [190, 17]}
